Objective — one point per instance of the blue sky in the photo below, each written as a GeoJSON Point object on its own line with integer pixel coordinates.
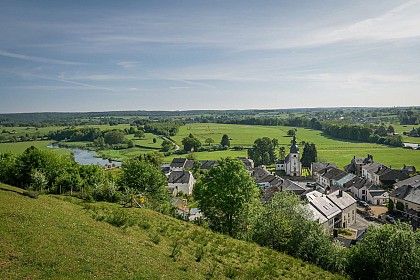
{"type": "Point", "coordinates": [181, 55]}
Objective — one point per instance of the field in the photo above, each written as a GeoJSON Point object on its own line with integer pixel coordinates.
{"type": "Point", "coordinates": [55, 237]}
{"type": "Point", "coordinates": [333, 150]}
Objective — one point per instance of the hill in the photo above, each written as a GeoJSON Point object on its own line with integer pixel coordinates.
{"type": "Point", "coordinates": [62, 237]}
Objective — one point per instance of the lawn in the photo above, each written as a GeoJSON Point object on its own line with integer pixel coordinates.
{"type": "Point", "coordinates": [19, 147]}
{"type": "Point", "coordinates": [56, 237]}
{"type": "Point", "coordinates": [333, 150]}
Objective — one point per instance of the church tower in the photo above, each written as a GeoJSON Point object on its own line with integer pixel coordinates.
{"type": "Point", "coordinates": [292, 162]}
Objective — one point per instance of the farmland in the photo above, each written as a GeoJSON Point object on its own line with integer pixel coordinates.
{"type": "Point", "coordinates": [57, 237]}
{"type": "Point", "coordinates": [329, 149]}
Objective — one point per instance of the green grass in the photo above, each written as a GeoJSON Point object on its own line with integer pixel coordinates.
{"type": "Point", "coordinates": [56, 237]}
{"type": "Point", "coordinates": [20, 147]}
{"type": "Point", "coordinates": [333, 150]}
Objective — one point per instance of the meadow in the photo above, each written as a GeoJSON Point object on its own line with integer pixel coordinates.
{"type": "Point", "coordinates": [57, 237]}
{"type": "Point", "coordinates": [329, 149]}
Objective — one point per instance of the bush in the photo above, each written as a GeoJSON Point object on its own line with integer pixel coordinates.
{"type": "Point", "coordinates": [31, 194]}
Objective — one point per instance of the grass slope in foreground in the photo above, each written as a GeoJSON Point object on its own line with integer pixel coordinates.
{"type": "Point", "coordinates": [63, 238]}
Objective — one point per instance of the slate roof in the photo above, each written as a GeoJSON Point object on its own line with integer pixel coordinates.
{"type": "Point", "coordinates": [180, 177]}
{"type": "Point", "coordinates": [333, 173]}
{"type": "Point", "coordinates": [408, 193]}
{"type": "Point", "coordinates": [372, 167]}
{"type": "Point", "coordinates": [389, 174]}
{"type": "Point", "coordinates": [413, 181]}
{"type": "Point", "coordinates": [280, 161]}
{"type": "Point", "coordinates": [289, 185]}
{"type": "Point", "coordinates": [358, 183]}
{"type": "Point", "coordinates": [247, 162]}
{"type": "Point", "coordinates": [294, 149]}
{"type": "Point", "coordinates": [287, 159]}
{"type": "Point", "coordinates": [318, 166]}
{"type": "Point", "coordinates": [408, 169]}
{"type": "Point", "coordinates": [259, 173]}
{"type": "Point", "coordinates": [341, 199]}
{"type": "Point", "coordinates": [207, 164]}
{"type": "Point", "coordinates": [323, 204]}
{"type": "Point", "coordinates": [273, 180]}
{"type": "Point", "coordinates": [178, 162]}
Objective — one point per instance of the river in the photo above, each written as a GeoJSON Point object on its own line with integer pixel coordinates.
{"type": "Point", "coordinates": [87, 157]}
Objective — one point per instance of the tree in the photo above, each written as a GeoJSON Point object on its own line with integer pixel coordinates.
{"type": "Point", "coordinates": [143, 178]}
{"type": "Point", "coordinates": [191, 143]}
{"type": "Point", "coordinates": [225, 142]}
{"type": "Point", "coordinates": [166, 145]}
{"type": "Point", "coordinates": [386, 252]}
{"type": "Point", "coordinates": [209, 141]}
{"type": "Point", "coordinates": [224, 194]}
{"type": "Point", "coordinates": [38, 180]}
{"type": "Point", "coordinates": [391, 129]}
{"type": "Point", "coordinates": [139, 133]}
{"type": "Point", "coordinates": [390, 205]}
{"type": "Point", "coordinates": [309, 155]}
{"type": "Point", "coordinates": [282, 152]}
{"type": "Point", "coordinates": [154, 140]}
{"type": "Point", "coordinates": [114, 137]}
{"type": "Point", "coordinates": [291, 132]}
{"type": "Point", "coordinates": [263, 151]}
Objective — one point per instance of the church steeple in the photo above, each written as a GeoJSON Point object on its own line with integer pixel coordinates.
{"type": "Point", "coordinates": [294, 149]}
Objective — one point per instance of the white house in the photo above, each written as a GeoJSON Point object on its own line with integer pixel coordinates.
{"type": "Point", "coordinates": [326, 207]}
{"type": "Point", "coordinates": [181, 181]}
{"type": "Point", "coordinates": [347, 205]}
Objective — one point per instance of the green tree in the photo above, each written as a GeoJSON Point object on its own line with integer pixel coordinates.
{"type": "Point", "coordinates": [139, 134]}
{"type": "Point", "coordinates": [391, 129]}
{"type": "Point", "coordinates": [291, 132]}
{"type": "Point", "coordinates": [141, 177]}
{"type": "Point", "coordinates": [209, 141]}
{"type": "Point", "coordinates": [38, 180]}
{"type": "Point", "coordinates": [166, 145]}
{"type": "Point", "coordinates": [263, 151]}
{"type": "Point", "coordinates": [309, 155]}
{"type": "Point", "coordinates": [386, 252]}
{"type": "Point", "coordinates": [391, 205]}
{"type": "Point", "coordinates": [224, 194]}
{"type": "Point", "coordinates": [114, 137]}
{"type": "Point", "coordinates": [191, 143]}
{"type": "Point", "coordinates": [225, 142]}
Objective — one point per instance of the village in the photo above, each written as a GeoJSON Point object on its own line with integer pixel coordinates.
{"type": "Point", "coordinates": [343, 202]}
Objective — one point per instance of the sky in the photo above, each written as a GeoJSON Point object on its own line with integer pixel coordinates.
{"type": "Point", "coordinates": [77, 56]}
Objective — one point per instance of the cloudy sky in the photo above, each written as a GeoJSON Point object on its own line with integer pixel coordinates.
{"type": "Point", "coordinates": [178, 55]}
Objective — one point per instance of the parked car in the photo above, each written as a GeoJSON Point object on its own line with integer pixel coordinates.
{"type": "Point", "coordinates": [390, 219]}
{"type": "Point", "coordinates": [364, 204]}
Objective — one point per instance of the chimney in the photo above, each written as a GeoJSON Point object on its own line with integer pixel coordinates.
{"type": "Point", "coordinates": [340, 193]}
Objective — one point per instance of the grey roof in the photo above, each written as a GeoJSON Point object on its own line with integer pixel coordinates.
{"type": "Point", "coordinates": [323, 204]}
{"type": "Point", "coordinates": [287, 159]}
{"type": "Point", "coordinates": [247, 162]}
{"type": "Point", "coordinates": [207, 164]}
{"type": "Point", "coordinates": [407, 193]}
{"type": "Point", "coordinates": [318, 166]}
{"type": "Point", "coordinates": [178, 162]}
{"type": "Point", "coordinates": [280, 161]}
{"type": "Point", "coordinates": [289, 185]}
{"type": "Point", "coordinates": [372, 167]}
{"type": "Point", "coordinates": [413, 181]}
{"type": "Point", "coordinates": [358, 183]}
{"type": "Point", "coordinates": [408, 168]}
{"type": "Point", "coordinates": [341, 199]}
{"type": "Point", "coordinates": [182, 177]}
{"type": "Point", "coordinates": [334, 173]}
{"type": "Point", "coordinates": [273, 180]}
{"type": "Point", "coordinates": [294, 149]}
{"type": "Point", "coordinates": [389, 174]}
{"type": "Point", "coordinates": [259, 173]}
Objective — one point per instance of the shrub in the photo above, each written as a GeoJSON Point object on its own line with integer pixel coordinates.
{"type": "Point", "coordinates": [31, 194]}
{"type": "Point", "coordinates": [176, 248]}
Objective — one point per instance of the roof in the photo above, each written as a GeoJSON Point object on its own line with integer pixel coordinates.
{"type": "Point", "coordinates": [273, 180]}
{"type": "Point", "coordinates": [314, 214]}
{"type": "Point", "coordinates": [318, 166]}
{"type": "Point", "coordinates": [249, 163]}
{"type": "Point", "coordinates": [413, 181]}
{"type": "Point", "coordinates": [345, 179]}
{"type": "Point", "coordinates": [288, 185]}
{"type": "Point", "coordinates": [294, 149]}
{"type": "Point", "coordinates": [389, 174]}
{"type": "Point", "coordinates": [333, 173]}
{"type": "Point", "coordinates": [259, 172]}
{"type": "Point", "coordinates": [408, 168]}
{"type": "Point", "coordinates": [407, 193]}
{"type": "Point", "coordinates": [207, 164]}
{"type": "Point", "coordinates": [323, 204]}
{"type": "Point", "coordinates": [287, 159]}
{"type": "Point", "coordinates": [341, 199]}
{"type": "Point", "coordinates": [358, 183]}
{"type": "Point", "coordinates": [280, 161]}
{"type": "Point", "coordinates": [178, 162]}
{"type": "Point", "coordinates": [180, 177]}
{"type": "Point", "coordinates": [372, 167]}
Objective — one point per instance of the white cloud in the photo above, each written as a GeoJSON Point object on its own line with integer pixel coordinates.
{"type": "Point", "coordinates": [38, 59]}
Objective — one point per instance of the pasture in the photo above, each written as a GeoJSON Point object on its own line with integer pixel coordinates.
{"type": "Point", "coordinates": [329, 149]}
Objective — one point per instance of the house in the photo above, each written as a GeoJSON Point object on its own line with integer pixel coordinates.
{"type": "Point", "coordinates": [179, 164]}
{"type": "Point", "coordinates": [280, 165]}
{"type": "Point", "coordinates": [388, 176]}
{"type": "Point", "coordinates": [368, 170]}
{"type": "Point", "coordinates": [292, 164]}
{"type": "Point", "coordinates": [249, 163]}
{"type": "Point", "coordinates": [316, 167]}
{"type": "Point", "coordinates": [367, 191]}
{"type": "Point", "coordinates": [181, 181]}
{"type": "Point", "coordinates": [407, 192]}
{"type": "Point", "coordinates": [315, 215]}
{"type": "Point", "coordinates": [410, 170]}
{"type": "Point", "coordinates": [347, 204]}
{"type": "Point", "coordinates": [326, 207]}
{"type": "Point", "coordinates": [355, 167]}
{"type": "Point", "coordinates": [377, 196]}
{"type": "Point", "coordinates": [331, 176]}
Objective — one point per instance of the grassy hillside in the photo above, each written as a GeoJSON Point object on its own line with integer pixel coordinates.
{"type": "Point", "coordinates": [63, 238]}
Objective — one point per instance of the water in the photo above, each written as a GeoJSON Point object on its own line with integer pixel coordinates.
{"type": "Point", "coordinates": [87, 157]}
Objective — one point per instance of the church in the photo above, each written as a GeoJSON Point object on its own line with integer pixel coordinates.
{"type": "Point", "coordinates": [291, 164]}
